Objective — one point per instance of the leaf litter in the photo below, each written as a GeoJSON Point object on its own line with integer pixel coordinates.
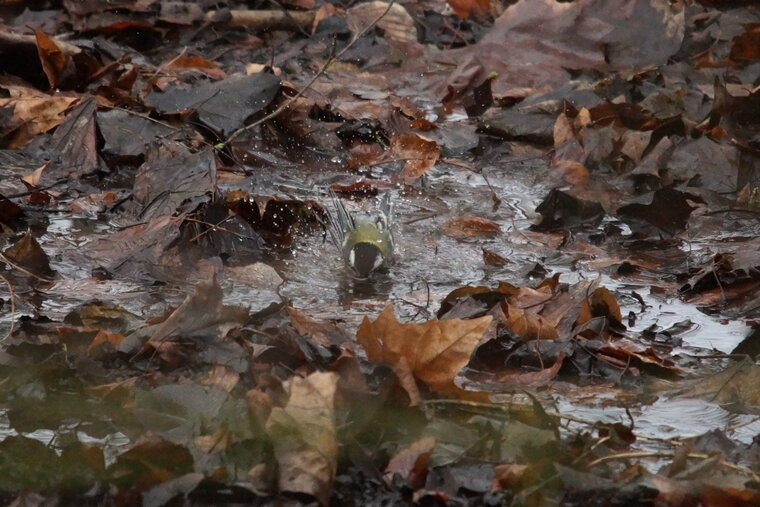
{"type": "Point", "coordinates": [570, 317]}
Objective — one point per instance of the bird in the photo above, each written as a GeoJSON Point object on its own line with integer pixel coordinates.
{"type": "Point", "coordinates": [366, 244]}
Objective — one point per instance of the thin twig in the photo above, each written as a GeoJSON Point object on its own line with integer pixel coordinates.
{"type": "Point", "coordinates": [303, 90]}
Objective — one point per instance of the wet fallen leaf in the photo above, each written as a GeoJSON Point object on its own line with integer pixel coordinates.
{"type": "Point", "coordinates": [493, 259]}
{"type": "Point", "coordinates": [668, 212]}
{"type": "Point", "coordinates": [304, 436]}
{"type": "Point", "coordinates": [104, 337]}
{"type": "Point", "coordinates": [412, 463]}
{"type": "Point", "coordinates": [601, 303]}
{"type": "Point", "coordinates": [418, 154]}
{"type": "Point", "coordinates": [29, 255]}
{"type": "Point", "coordinates": [326, 334]}
{"type": "Point", "coordinates": [560, 210]}
{"type": "Point", "coordinates": [198, 64]}
{"type": "Point", "coordinates": [526, 325]}
{"type": "Point", "coordinates": [433, 352]}
{"type": "Point", "coordinates": [201, 316]}
{"type": "Point", "coordinates": [535, 379]}
{"type": "Point", "coordinates": [470, 227]}
{"type": "Point", "coordinates": [55, 63]}
{"type": "Point", "coordinates": [34, 112]}
{"type": "Point", "coordinates": [398, 25]}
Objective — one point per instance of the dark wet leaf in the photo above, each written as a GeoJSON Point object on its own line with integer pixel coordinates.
{"type": "Point", "coordinates": [560, 210]}
{"type": "Point", "coordinates": [128, 135]}
{"type": "Point", "coordinates": [750, 345]}
{"type": "Point", "coordinates": [136, 250]}
{"type": "Point", "coordinates": [667, 213]}
{"type": "Point", "coordinates": [29, 255]}
{"type": "Point", "coordinates": [10, 215]}
{"type": "Point", "coordinates": [174, 180]}
{"type": "Point", "coordinates": [223, 106]}
{"type": "Point", "coordinates": [637, 34]}
{"type": "Point", "coordinates": [201, 316]}
{"type": "Point", "coordinates": [74, 144]}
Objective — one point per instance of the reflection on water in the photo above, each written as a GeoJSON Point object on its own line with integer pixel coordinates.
{"type": "Point", "coordinates": [668, 418]}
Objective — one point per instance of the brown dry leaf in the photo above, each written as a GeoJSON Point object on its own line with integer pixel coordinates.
{"type": "Point", "coordinates": [104, 337]}
{"type": "Point", "coordinates": [198, 64]}
{"type": "Point", "coordinates": [470, 227]}
{"type": "Point", "coordinates": [466, 8]}
{"type": "Point", "coordinates": [418, 152]}
{"type": "Point", "coordinates": [601, 303]}
{"type": "Point", "coordinates": [433, 352]}
{"type": "Point", "coordinates": [746, 46]}
{"type": "Point", "coordinates": [398, 26]}
{"type": "Point", "coordinates": [491, 258]}
{"type": "Point", "coordinates": [412, 463]}
{"type": "Point", "coordinates": [528, 326]}
{"type": "Point", "coordinates": [54, 61]}
{"type": "Point", "coordinates": [33, 178]}
{"type": "Point", "coordinates": [222, 377]}
{"type": "Point", "coordinates": [304, 436]}
{"type": "Point", "coordinates": [628, 352]}
{"type": "Point", "coordinates": [34, 112]}
{"type": "Point", "coordinates": [509, 477]}
{"type": "Point", "coordinates": [28, 255]}
{"type": "Point", "coordinates": [217, 441]}
{"type": "Point", "coordinates": [326, 334]}
{"type": "Point", "coordinates": [533, 378]}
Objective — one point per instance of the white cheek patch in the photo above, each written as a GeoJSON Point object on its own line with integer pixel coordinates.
{"type": "Point", "coordinates": [352, 258]}
{"type": "Point", "coordinates": [378, 262]}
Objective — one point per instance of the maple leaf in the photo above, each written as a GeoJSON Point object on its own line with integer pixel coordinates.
{"type": "Point", "coordinates": [432, 352]}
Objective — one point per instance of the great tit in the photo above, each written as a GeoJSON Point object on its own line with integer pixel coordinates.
{"type": "Point", "coordinates": [366, 244]}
